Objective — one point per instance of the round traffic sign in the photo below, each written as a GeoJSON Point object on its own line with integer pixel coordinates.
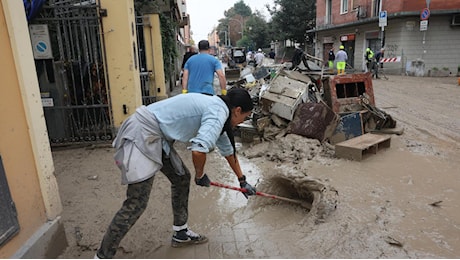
{"type": "Point", "coordinates": [425, 14]}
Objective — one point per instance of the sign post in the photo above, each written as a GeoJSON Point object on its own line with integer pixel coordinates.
{"type": "Point", "coordinates": [424, 15]}
{"type": "Point", "coordinates": [383, 20]}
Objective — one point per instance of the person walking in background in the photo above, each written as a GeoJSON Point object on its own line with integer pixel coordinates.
{"type": "Point", "coordinates": [144, 146]}
{"type": "Point", "coordinates": [199, 71]}
{"type": "Point", "coordinates": [341, 59]}
{"type": "Point", "coordinates": [271, 54]}
{"type": "Point", "coordinates": [259, 57]}
{"type": "Point", "coordinates": [369, 57]}
{"type": "Point", "coordinates": [331, 59]}
{"type": "Point", "coordinates": [377, 63]}
{"type": "Point", "coordinates": [190, 52]}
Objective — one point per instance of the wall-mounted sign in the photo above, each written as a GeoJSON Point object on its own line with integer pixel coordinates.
{"type": "Point", "coordinates": [383, 18]}
{"type": "Point", "coordinates": [348, 37]}
{"type": "Point", "coordinates": [47, 102]}
{"type": "Point", "coordinates": [329, 39]}
{"type": "Point", "coordinates": [424, 25]}
{"type": "Point", "coordinates": [40, 39]}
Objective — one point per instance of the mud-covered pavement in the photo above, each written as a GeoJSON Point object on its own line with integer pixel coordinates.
{"type": "Point", "coordinates": [402, 202]}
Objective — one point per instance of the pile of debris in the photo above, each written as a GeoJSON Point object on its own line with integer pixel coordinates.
{"type": "Point", "coordinates": [310, 102]}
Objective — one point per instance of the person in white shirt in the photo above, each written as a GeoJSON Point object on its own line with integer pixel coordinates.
{"type": "Point", "coordinates": [259, 57]}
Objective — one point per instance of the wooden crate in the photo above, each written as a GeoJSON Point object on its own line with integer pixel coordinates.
{"type": "Point", "coordinates": [356, 148]}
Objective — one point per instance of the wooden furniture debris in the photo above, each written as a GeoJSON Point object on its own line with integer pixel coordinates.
{"type": "Point", "coordinates": [356, 148]}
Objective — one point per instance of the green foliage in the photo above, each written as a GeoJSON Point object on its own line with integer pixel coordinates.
{"type": "Point", "coordinates": [242, 9]}
{"type": "Point", "coordinates": [292, 18]}
{"type": "Point", "coordinates": [145, 7]}
{"type": "Point", "coordinates": [254, 34]}
{"type": "Point", "coordinates": [239, 8]}
{"type": "Point", "coordinates": [168, 39]}
{"type": "Point", "coordinates": [257, 31]}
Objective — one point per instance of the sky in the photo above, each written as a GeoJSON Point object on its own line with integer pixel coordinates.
{"type": "Point", "coordinates": [205, 14]}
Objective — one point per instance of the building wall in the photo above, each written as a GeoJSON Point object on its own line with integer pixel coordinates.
{"type": "Point", "coordinates": [122, 64]}
{"type": "Point", "coordinates": [388, 5]}
{"type": "Point", "coordinates": [154, 56]}
{"type": "Point", "coordinates": [409, 5]}
{"type": "Point", "coordinates": [24, 144]}
{"type": "Point", "coordinates": [436, 47]}
{"type": "Point", "coordinates": [404, 38]}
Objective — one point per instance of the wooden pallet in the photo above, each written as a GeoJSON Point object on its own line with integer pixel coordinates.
{"type": "Point", "coordinates": [356, 148]}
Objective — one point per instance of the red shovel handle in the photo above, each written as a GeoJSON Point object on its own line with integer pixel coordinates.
{"type": "Point", "coordinates": [303, 203]}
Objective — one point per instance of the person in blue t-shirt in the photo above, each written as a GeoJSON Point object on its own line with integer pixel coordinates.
{"type": "Point", "coordinates": [199, 71]}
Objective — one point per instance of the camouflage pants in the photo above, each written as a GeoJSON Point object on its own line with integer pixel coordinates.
{"type": "Point", "coordinates": [137, 197]}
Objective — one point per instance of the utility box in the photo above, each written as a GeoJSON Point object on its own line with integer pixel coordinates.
{"type": "Point", "coordinates": [341, 92]}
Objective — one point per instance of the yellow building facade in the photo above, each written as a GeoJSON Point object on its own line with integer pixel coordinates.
{"type": "Point", "coordinates": [24, 146]}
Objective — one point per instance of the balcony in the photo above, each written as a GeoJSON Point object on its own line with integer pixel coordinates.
{"type": "Point", "coordinates": [184, 21]}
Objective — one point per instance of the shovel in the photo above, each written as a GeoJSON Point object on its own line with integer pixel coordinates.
{"type": "Point", "coordinates": [299, 202]}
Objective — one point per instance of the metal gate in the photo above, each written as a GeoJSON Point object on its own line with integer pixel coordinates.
{"type": "Point", "coordinates": [73, 85]}
{"type": "Point", "coordinates": [148, 93]}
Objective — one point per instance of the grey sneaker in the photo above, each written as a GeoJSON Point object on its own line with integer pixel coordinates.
{"type": "Point", "coordinates": [187, 237]}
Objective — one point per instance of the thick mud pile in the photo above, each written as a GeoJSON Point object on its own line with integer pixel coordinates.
{"type": "Point", "coordinates": [291, 178]}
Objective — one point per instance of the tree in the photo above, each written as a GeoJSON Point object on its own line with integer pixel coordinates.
{"type": "Point", "coordinates": [244, 28]}
{"type": "Point", "coordinates": [239, 8]}
{"type": "Point", "coordinates": [257, 32]}
{"type": "Point", "coordinates": [292, 18]}
{"type": "Point", "coordinates": [234, 22]}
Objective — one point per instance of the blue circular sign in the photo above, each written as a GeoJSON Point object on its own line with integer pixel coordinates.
{"type": "Point", "coordinates": [425, 14]}
{"type": "Point", "coordinates": [41, 46]}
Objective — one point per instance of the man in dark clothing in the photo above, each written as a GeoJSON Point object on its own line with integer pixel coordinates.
{"type": "Point", "coordinates": [377, 62]}
{"type": "Point", "coordinates": [331, 59]}
{"type": "Point", "coordinates": [271, 54]}
{"type": "Point", "coordinates": [191, 51]}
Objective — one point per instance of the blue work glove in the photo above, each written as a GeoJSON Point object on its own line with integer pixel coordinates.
{"type": "Point", "coordinates": [203, 181]}
{"type": "Point", "coordinates": [249, 189]}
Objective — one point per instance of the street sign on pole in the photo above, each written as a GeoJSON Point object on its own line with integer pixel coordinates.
{"type": "Point", "coordinates": [425, 14]}
{"type": "Point", "coordinates": [423, 25]}
{"type": "Point", "coordinates": [382, 18]}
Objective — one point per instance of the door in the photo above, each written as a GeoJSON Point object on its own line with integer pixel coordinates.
{"type": "Point", "coordinates": [350, 49]}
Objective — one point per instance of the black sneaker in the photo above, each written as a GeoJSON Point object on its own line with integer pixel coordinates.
{"type": "Point", "coordinates": [187, 237]}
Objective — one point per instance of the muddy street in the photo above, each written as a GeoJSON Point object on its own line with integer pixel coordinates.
{"type": "Point", "coordinates": [402, 202]}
